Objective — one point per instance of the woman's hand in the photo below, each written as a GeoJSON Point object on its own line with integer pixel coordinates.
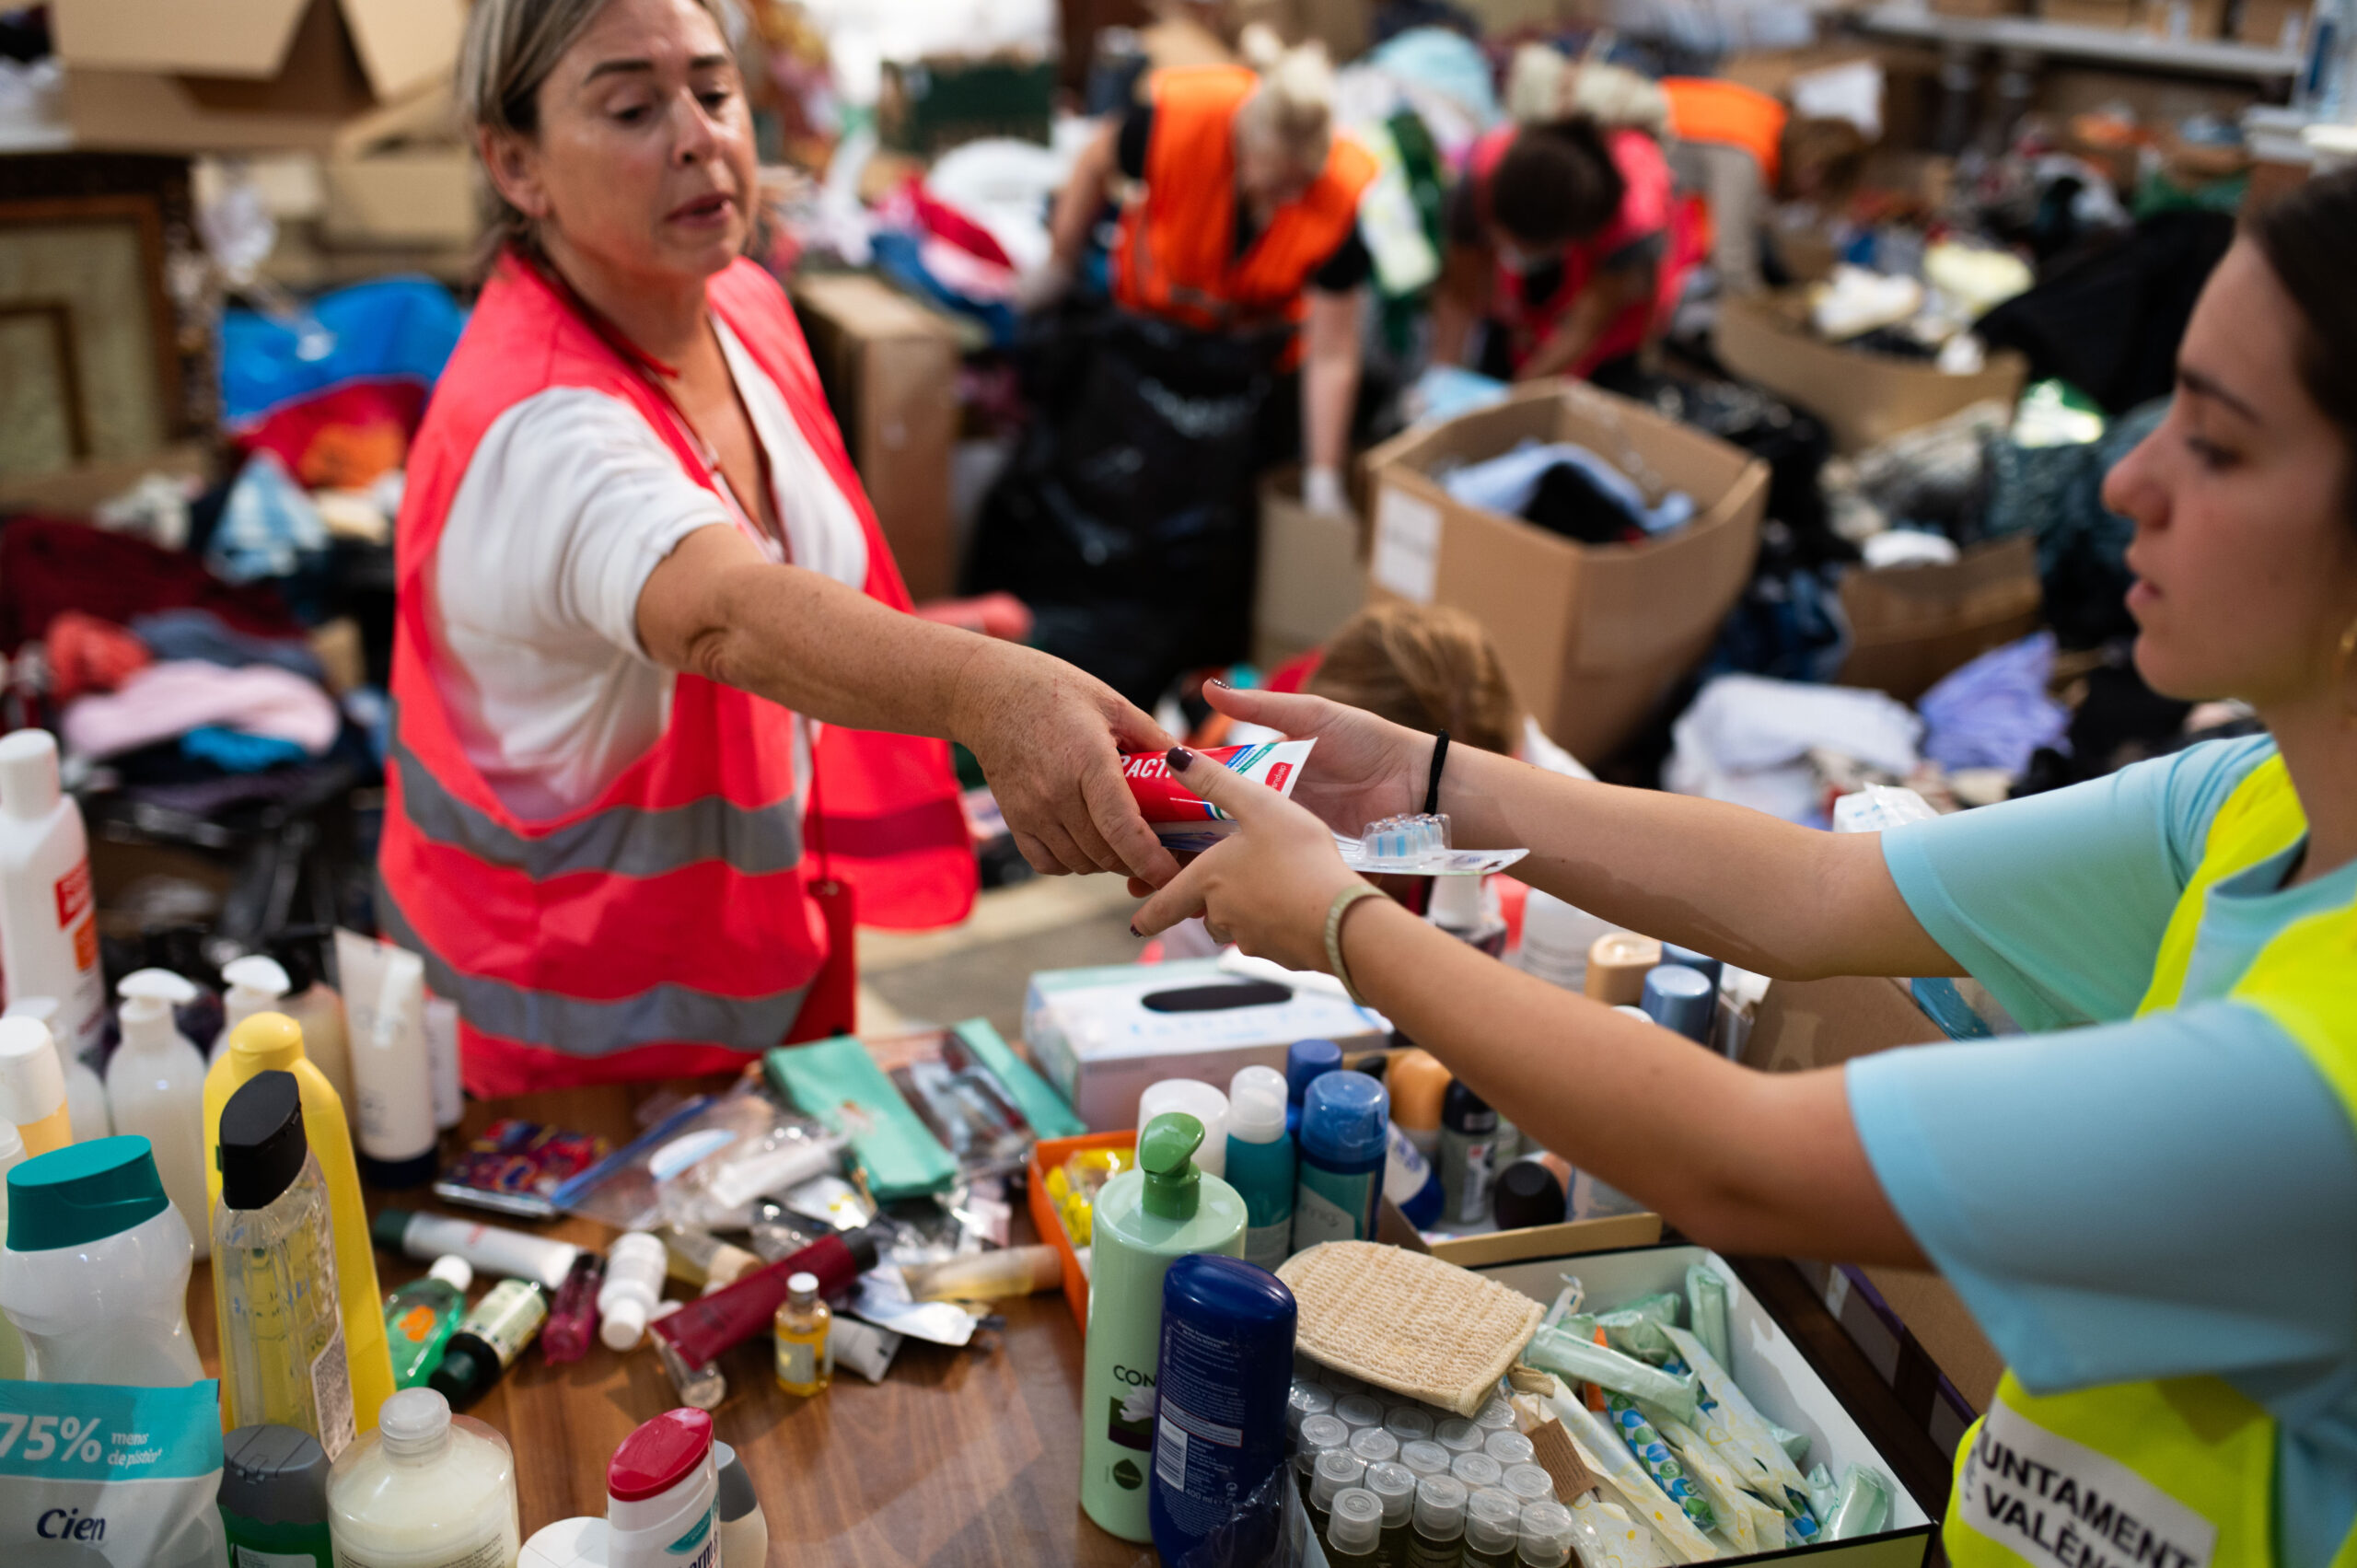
{"type": "Point", "coordinates": [1049, 739]}
{"type": "Point", "coordinates": [1267, 886]}
{"type": "Point", "coordinates": [1364, 767]}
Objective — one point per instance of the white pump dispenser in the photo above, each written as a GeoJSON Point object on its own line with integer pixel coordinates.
{"type": "Point", "coordinates": [257, 984]}
{"type": "Point", "coordinates": [86, 1093]}
{"type": "Point", "coordinates": [156, 1089]}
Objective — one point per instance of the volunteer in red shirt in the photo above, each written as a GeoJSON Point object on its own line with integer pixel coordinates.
{"type": "Point", "coordinates": [1563, 247]}
{"type": "Point", "coordinates": [648, 632]}
{"type": "Point", "coordinates": [1245, 220]}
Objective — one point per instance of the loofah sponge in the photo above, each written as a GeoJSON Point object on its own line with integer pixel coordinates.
{"type": "Point", "coordinates": [1407, 1322]}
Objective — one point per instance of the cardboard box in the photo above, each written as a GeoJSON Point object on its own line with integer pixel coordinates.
{"type": "Point", "coordinates": [422, 197]}
{"type": "Point", "coordinates": [1910, 625]}
{"type": "Point", "coordinates": [1592, 635]}
{"type": "Point", "coordinates": [1102, 1035]}
{"type": "Point", "coordinates": [1979, 8]}
{"type": "Point", "coordinates": [890, 370]}
{"type": "Point", "coordinates": [171, 76]}
{"type": "Point", "coordinates": [2275, 24]}
{"type": "Point", "coordinates": [1312, 574]}
{"type": "Point", "coordinates": [1862, 397]}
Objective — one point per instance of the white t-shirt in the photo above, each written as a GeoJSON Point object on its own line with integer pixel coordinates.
{"type": "Point", "coordinates": [567, 507]}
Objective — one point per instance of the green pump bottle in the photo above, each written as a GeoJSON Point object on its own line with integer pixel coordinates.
{"type": "Point", "coordinates": [1145, 1217]}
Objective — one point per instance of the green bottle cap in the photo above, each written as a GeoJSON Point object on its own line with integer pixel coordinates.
{"type": "Point", "coordinates": [1166, 1154]}
{"type": "Point", "coordinates": [83, 1192]}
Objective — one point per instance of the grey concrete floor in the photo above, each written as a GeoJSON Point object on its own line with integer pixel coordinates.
{"type": "Point", "coordinates": [981, 969]}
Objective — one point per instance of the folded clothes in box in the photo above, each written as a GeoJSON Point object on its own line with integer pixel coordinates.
{"type": "Point", "coordinates": [1103, 1034]}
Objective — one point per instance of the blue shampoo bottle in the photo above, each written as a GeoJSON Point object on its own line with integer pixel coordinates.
{"type": "Point", "coordinates": [1219, 1433]}
{"type": "Point", "coordinates": [1345, 1144]}
{"type": "Point", "coordinates": [1305, 1062]}
{"type": "Point", "coordinates": [1260, 1163]}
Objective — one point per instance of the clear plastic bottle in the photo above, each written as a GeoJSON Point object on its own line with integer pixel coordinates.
{"type": "Point", "coordinates": [701, 1258]}
{"type": "Point", "coordinates": [273, 1271]}
{"type": "Point", "coordinates": [1338, 1471]}
{"type": "Point", "coordinates": [421, 1316]}
{"type": "Point", "coordinates": [1394, 1486]}
{"type": "Point", "coordinates": [1545, 1537]}
{"type": "Point", "coordinates": [426, 1490]}
{"type": "Point", "coordinates": [155, 1091]}
{"type": "Point", "coordinates": [95, 1274]}
{"type": "Point", "coordinates": [1493, 1530]}
{"type": "Point", "coordinates": [805, 1365]}
{"type": "Point", "coordinates": [1438, 1538]}
{"type": "Point", "coordinates": [1354, 1531]}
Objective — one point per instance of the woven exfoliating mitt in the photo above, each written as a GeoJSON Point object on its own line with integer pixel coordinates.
{"type": "Point", "coordinates": [1407, 1322]}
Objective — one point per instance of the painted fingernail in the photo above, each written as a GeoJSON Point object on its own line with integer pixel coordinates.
{"type": "Point", "coordinates": [1135, 932]}
{"type": "Point", "coordinates": [1178, 758]}
{"type": "Point", "coordinates": [1215, 681]}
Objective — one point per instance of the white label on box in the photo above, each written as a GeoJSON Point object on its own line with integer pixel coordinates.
{"type": "Point", "coordinates": [1407, 544]}
{"type": "Point", "coordinates": [2057, 1503]}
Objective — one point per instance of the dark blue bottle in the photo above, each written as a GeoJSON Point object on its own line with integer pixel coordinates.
{"type": "Point", "coordinates": [1219, 1429]}
{"type": "Point", "coordinates": [1306, 1060]}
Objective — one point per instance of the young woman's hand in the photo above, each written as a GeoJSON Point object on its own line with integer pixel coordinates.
{"type": "Point", "coordinates": [1365, 768]}
{"type": "Point", "coordinates": [1267, 887]}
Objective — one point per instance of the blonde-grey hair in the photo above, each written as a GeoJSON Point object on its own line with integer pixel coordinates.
{"type": "Point", "coordinates": [1292, 108]}
{"type": "Point", "coordinates": [511, 48]}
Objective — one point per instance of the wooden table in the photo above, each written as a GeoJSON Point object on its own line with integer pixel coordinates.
{"type": "Point", "coordinates": [958, 1457]}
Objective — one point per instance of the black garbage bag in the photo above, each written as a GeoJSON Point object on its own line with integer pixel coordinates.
{"type": "Point", "coordinates": [1126, 520]}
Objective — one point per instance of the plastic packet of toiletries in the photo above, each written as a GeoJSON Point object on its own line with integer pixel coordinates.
{"type": "Point", "coordinates": [1706, 1302]}
{"type": "Point", "coordinates": [1793, 1444]}
{"type": "Point", "coordinates": [961, 1103]}
{"type": "Point", "coordinates": [1552, 1349]}
{"type": "Point", "coordinates": [1265, 1530]}
{"type": "Point", "coordinates": [1863, 1507]}
{"type": "Point", "coordinates": [1651, 1449]}
{"type": "Point", "coordinates": [1606, 1537]}
{"type": "Point", "coordinates": [1427, 863]}
{"type": "Point", "coordinates": [1635, 1329]}
{"type": "Point", "coordinates": [1742, 1514]}
{"type": "Point", "coordinates": [1600, 1448]}
{"type": "Point", "coordinates": [883, 1299]}
{"type": "Point", "coordinates": [1185, 822]}
{"type": "Point", "coordinates": [1766, 1468]}
{"type": "Point", "coordinates": [514, 1166]}
{"type": "Point", "coordinates": [665, 1174]}
{"type": "Point", "coordinates": [97, 1473]}
{"type": "Point", "coordinates": [1824, 1491]}
{"type": "Point", "coordinates": [864, 1348]}
{"type": "Point", "coordinates": [831, 1201]}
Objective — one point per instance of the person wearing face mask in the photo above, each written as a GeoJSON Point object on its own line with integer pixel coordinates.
{"type": "Point", "coordinates": [1245, 221]}
{"type": "Point", "coordinates": [661, 714]}
{"type": "Point", "coordinates": [1565, 253]}
{"type": "Point", "coordinates": [2148, 1201]}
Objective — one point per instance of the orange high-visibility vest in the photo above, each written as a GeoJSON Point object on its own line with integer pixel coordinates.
{"type": "Point", "coordinates": [1176, 257]}
{"type": "Point", "coordinates": [1704, 109]}
{"type": "Point", "coordinates": [668, 926]}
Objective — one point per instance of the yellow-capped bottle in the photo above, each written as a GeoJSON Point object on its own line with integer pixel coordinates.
{"type": "Point", "coordinates": [273, 1043]}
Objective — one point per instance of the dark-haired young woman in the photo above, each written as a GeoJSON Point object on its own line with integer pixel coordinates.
{"type": "Point", "coordinates": [1564, 254]}
{"type": "Point", "coordinates": [2148, 1202]}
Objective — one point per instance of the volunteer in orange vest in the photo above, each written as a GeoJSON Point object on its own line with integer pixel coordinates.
{"type": "Point", "coordinates": [649, 638]}
{"type": "Point", "coordinates": [2148, 1199]}
{"type": "Point", "coordinates": [1246, 221]}
{"type": "Point", "coordinates": [1563, 251]}
{"type": "Point", "coordinates": [1741, 150]}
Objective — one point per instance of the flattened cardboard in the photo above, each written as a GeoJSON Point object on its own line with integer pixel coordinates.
{"type": "Point", "coordinates": [1312, 575]}
{"type": "Point", "coordinates": [1592, 635]}
{"type": "Point", "coordinates": [1910, 625]}
{"type": "Point", "coordinates": [1862, 397]}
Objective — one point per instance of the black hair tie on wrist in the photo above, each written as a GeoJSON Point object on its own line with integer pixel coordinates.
{"type": "Point", "coordinates": [1432, 785]}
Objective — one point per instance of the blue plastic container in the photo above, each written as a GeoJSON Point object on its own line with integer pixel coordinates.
{"type": "Point", "coordinates": [1345, 1144]}
{"type": "Point", "coordinates": [1307, 1061]}
{"type": "Point", "coordinates": [1219, 1428]}
{"type": "Point", "coordinates": [1681, 999]}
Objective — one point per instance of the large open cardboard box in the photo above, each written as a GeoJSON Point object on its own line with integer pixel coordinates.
{"type": "Point", "coordinates": [1910, 625]}
{"type": "Point", "coordinates": [1312, 574]}
{"type": "Point", "coordinates": [1592, 635]}
{"type": "Point", "coordinates": [1862, 397]}
{"type": "Point", "coordinates": [229, 74]}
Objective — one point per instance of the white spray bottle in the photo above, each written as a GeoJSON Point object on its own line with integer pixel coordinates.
{"type": "Point", "coordinates": [155, 1090]}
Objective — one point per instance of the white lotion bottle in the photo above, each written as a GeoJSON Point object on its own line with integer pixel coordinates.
{"type": "Point", "coordinates": [635, 1270]}
{"type": "Point", "coordinates": [426, 1490]}
{"type": "Point", "coordinates": [49, 923]}
{"type": "Point", "coordinates": [391, 1078]}
{"type": "Point", "coordinates": [155, 1090]}
{"type": "Point", "coordinates": [86, 1092]}
{"type": "Point", "coordinates": [257, 983]}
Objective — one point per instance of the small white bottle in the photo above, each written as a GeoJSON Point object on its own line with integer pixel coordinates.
{"type": "Point", "coordinates": [86, 1092]}
{"type": "Point", "coordinates": [392, 1077]}
{"type": "Point", "coordinates": [32, 1086]}
{"type": "Point", "coordinates": [635, 1270]}
{"type": "Point", "coordinates": [255, 983]}
{"type": "Point", "coordinates": [426, 1490]}
{"type": "Point", "coordinates": [49, 923]}
{"type": "Point", "coordinates": [155, 1090]}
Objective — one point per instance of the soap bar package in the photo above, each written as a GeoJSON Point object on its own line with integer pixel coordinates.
{"type": "Point", "coordinates": [99, 1473]}
{"type": "Point", "coordinates": [1103, 1034]}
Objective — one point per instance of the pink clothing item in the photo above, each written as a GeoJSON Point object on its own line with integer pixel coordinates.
{"type": "Point", "coordinates": [166, 700]}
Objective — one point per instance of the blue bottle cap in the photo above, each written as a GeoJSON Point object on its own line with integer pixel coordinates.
{"type": "Point", "coordinates": [1710, 967]}
{"type": "Point", "coordinates": [1229, 1289]}
{"type": "Point", "coordinates": [1306, 1060]}
{"type": "Point", "coordinates": [1346, 1117]}
{"type": "Point", "coordinates": [1679, 998]}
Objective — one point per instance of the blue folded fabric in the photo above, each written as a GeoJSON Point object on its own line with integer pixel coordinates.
{"type": "Point", "coordinates": [236, 753]}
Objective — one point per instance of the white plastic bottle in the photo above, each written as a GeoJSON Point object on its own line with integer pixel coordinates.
{"type": "Point", "coordinates": [744, 1529]}
{"type": "Point", "coordinates": [392, 1077]}
{"type": "Point", "coordinates": [255, 983]}
{"type": "Point", "coordinates": [12, 1344]}
{"type": "Point", "coordinates": [663, 1495]}
{"type": "Point", "coordinates": [320, 1010]}
{"type": "Point", "coordinates": [95, 1272]}
{"type": "Point", "coordinates": [634, 1268]}
{"type": "Point", "coordinates": [155, 1091]}
{"type": "Point", "coordinates": [32, 1086]}
{"type": "Point", "coordinates": [426, 1490]}
{"type": "Point", "coordinates": [86, 1092]}
{"type": "Point", "coordinates": [49, 925]}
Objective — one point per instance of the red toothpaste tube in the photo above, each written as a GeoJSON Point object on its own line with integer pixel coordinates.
{"type": "Point", "coordinates": [1184, 820]}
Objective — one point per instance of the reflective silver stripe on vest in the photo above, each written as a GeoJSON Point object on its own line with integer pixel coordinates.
{"type": "Point", "coordinates": [578, 1027]}
{"type": "Point", "coordinates": [621, 840]}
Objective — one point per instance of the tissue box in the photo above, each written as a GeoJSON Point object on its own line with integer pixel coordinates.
{"type": "Point", "coordinates": [1102, 1035]}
